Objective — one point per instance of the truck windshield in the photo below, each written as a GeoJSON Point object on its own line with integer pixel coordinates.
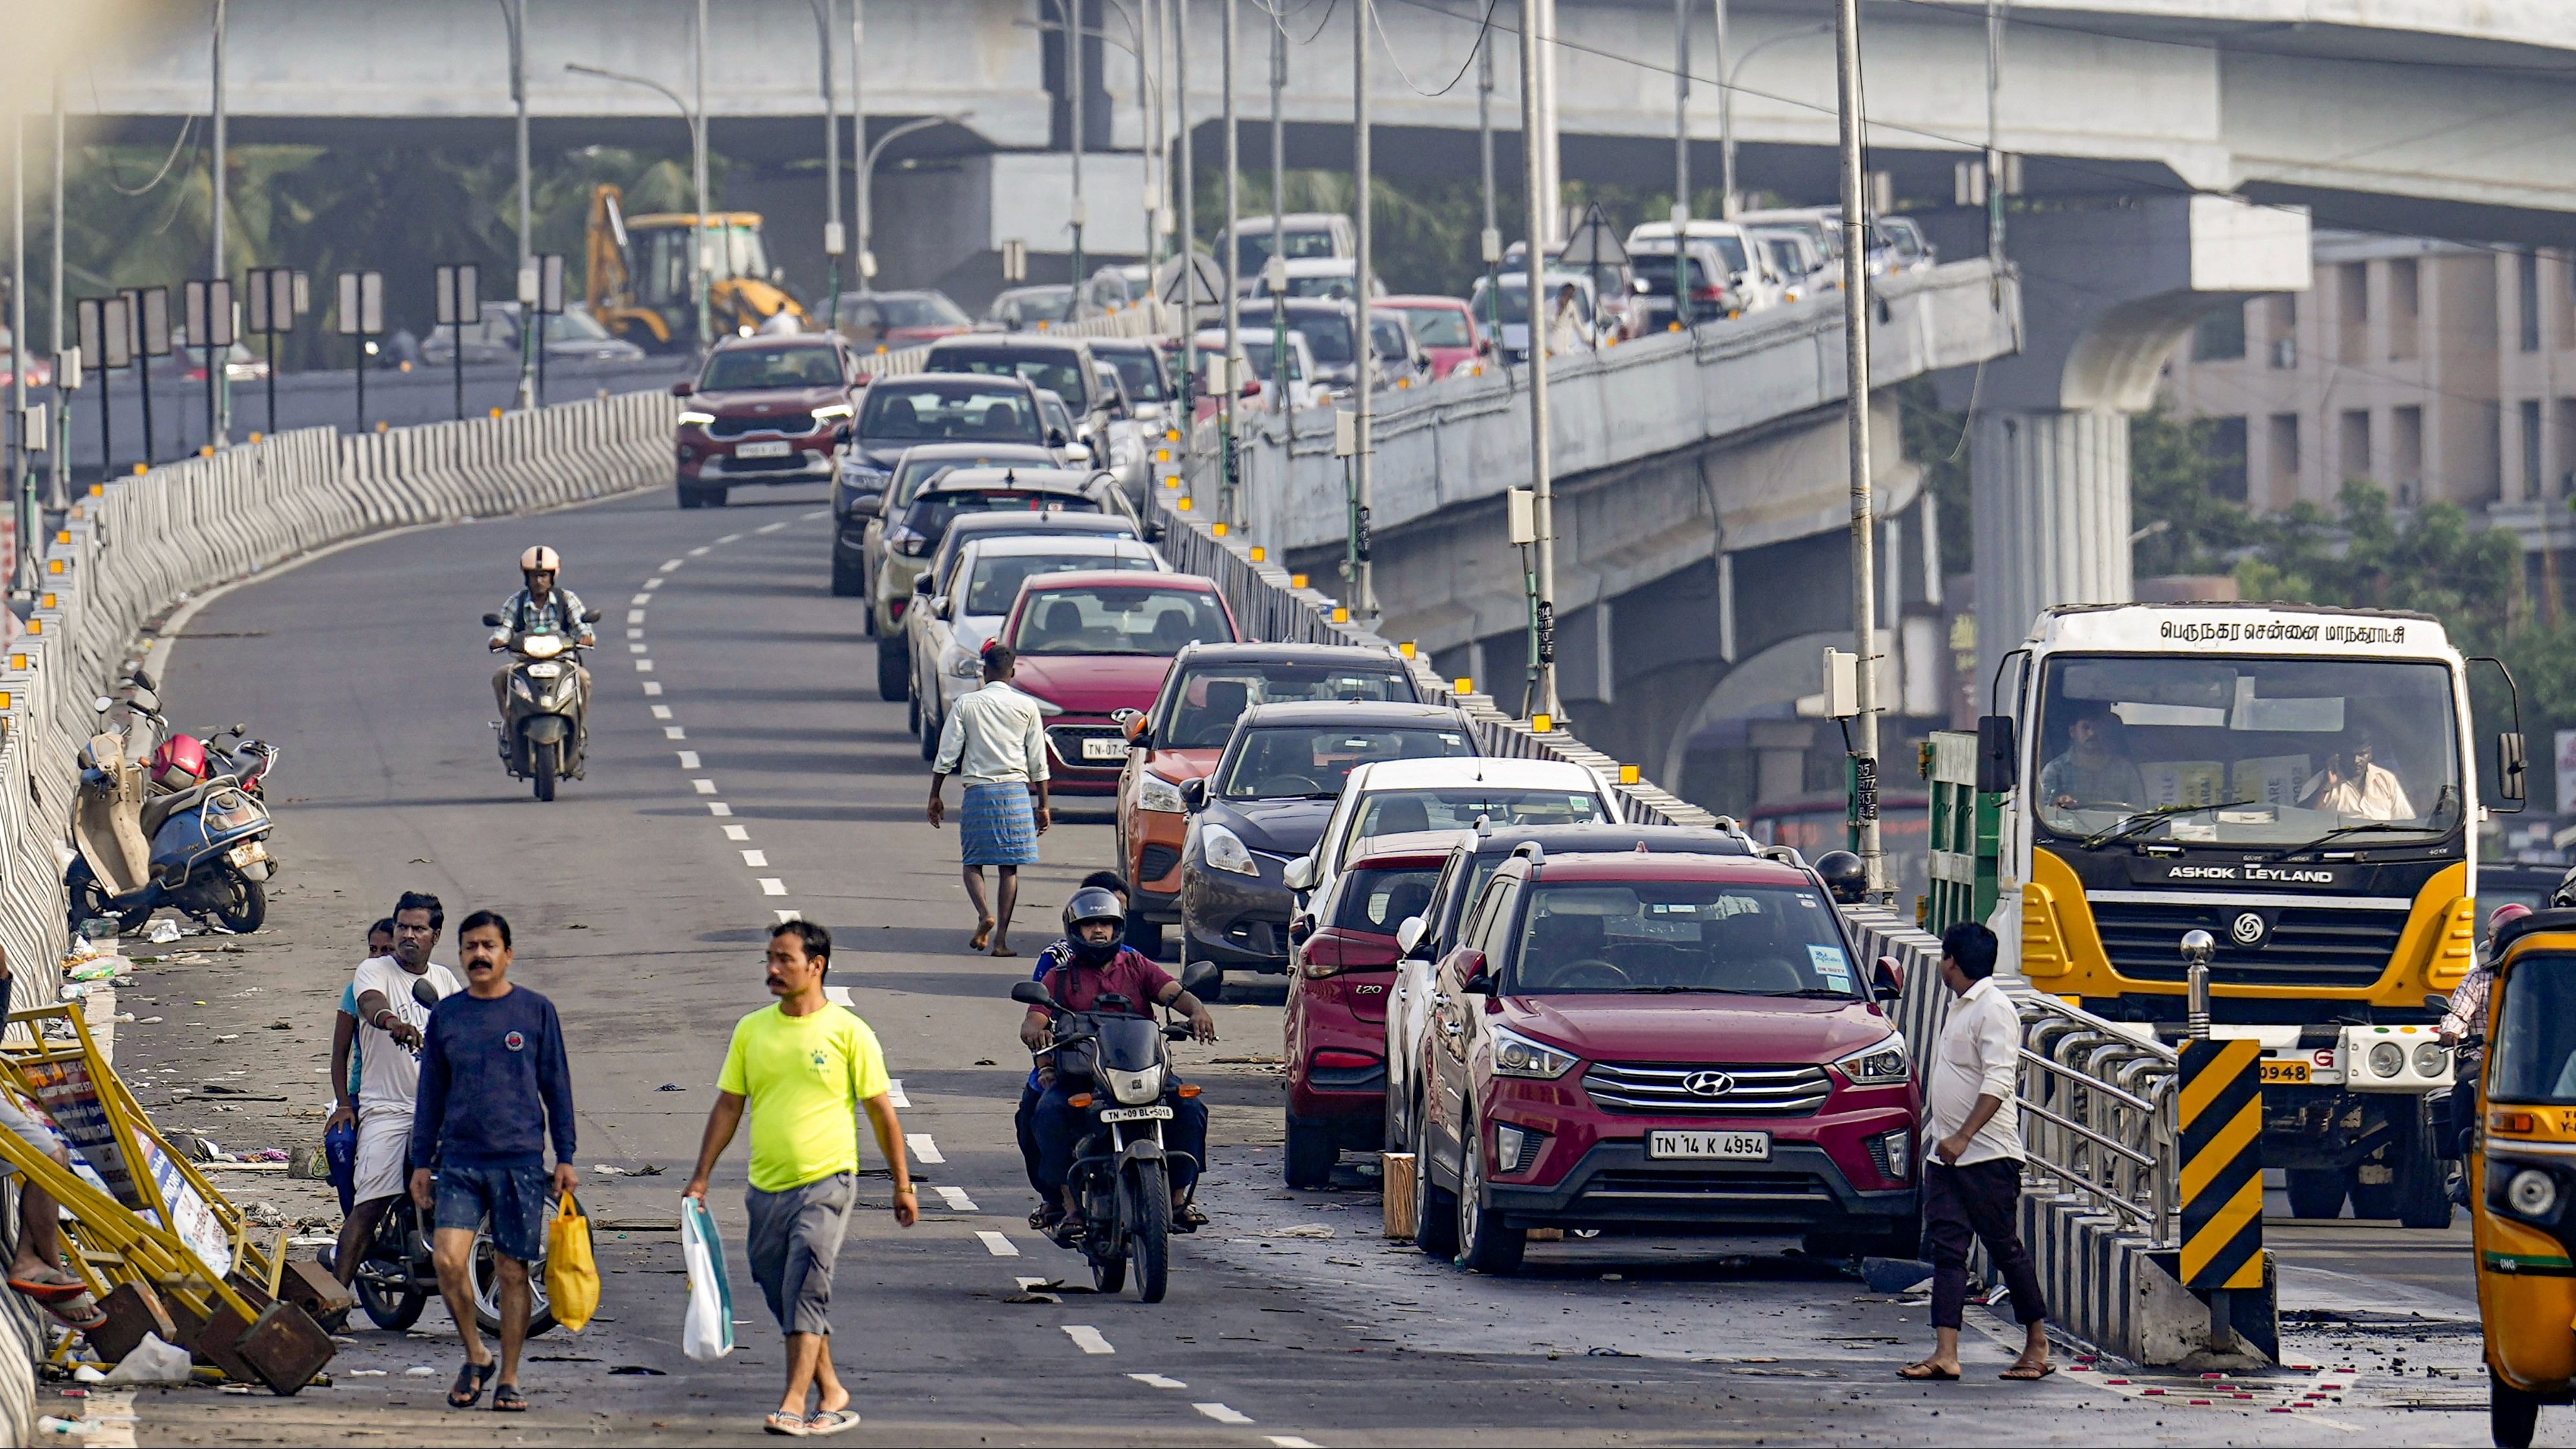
{"type": "Point", "coordinates": [2535, 1043]}
{"type": "Point", "coordinates": [2246, 751]}
{"type": "Point", "coordinates": [1677, 936]}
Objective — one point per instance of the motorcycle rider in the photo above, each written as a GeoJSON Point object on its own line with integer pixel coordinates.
{"type": "Point", "coordinates": [543, 608]}
{"type": "Point", "coordinates": [1097, 964]}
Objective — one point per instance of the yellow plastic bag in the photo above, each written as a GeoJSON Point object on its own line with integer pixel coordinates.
{"type": "Point", "coordinates": [572, 1275]}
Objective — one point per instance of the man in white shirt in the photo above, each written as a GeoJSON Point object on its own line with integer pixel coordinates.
{"type": "Point", "coordinates": [1972, 1171]}
{"type": "Point", "coordinates": [996, 739]}
{"type": "Point", "coordinates": [2355, 786]}
{"type": "Point", "coordinates": [390, 1023]}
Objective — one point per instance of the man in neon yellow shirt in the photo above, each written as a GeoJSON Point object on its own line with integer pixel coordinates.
{"type": "Point", "coordinates": [806, 1067]}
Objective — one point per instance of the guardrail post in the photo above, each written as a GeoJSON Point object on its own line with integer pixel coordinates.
{"type": "Point", "coordinates": [2220, 1111]}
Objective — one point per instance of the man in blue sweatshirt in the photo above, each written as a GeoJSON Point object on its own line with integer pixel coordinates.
{"type": "Point", "coordinates": [493, 1087]}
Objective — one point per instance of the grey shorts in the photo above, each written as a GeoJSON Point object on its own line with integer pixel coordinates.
{"type": "Point", "coordinates": [795, 1238]}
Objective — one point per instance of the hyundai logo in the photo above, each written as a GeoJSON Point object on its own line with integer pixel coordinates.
{"type": "Point", "coordinates": [1708, 1084]}
{"type": "Point", "coordinates": [2247, 929]}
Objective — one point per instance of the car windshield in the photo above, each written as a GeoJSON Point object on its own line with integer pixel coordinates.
{"type": "Point", "coordinates": [1381, 900]}
{"type": "Point", "coordinates": [911, 472]}
{"type": "Point", "coordinates": [1515, 300]}
{"type": "Point", "coordinates": [1403, 811]}
{"type": "Point", "coordinates": [929, 514]}
{"type": "Point", "coordinates": [1730, 250]}
{"type": "Point", "coordinates": [1389, 335]}
{"type": "Point", "coordinates": [1205, 701]}
{"type": "Point", "coordinates": [1654, 274]}
{"type": "Point", "coordinates": [1332, 288]}
{"type": "Point", "coordinates": [1788, 256]}
{"type": "Point", "coordinates": [574, 326]}
{"type": "Point", "coordinates": [1252, 246]}
{"type": "Point", "coordinates": [930, 409]}
{"type": "Point", "coordinates": [1328, 335]}
{"type": "Point", "coordinates": [931, 309]}
{"type": "Point", "coordinates": [1438, 326]}
{"type": "Point", "coordinates": [1674, 936]}
{"type": "Point", "coordinates": [1259, 352]}
{"type": "Point", "coordinates": [2245, 751]}
{"type": "Point", "coordinates": [996, 582]}
{"type": "Point", "coordinates": [1056, 371]}
{"type": "Point", "coordinates": [1312, 761]}
{"type": "Point", "coordinates": [1111, 619]}
{"type": "Point", "coordinates": [756, 367]}
{"type": "Point", "coordinates": [2534, 1020]}
{"type": "Point", "coordinates": [1139, 370]}
{"type": "Point", "coordinates": [1033, 304]}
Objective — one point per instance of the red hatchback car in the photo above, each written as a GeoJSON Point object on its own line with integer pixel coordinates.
{"type": "Point", "coordinates": [1094, 643]}
{"type": "Point", "coordinates": [1671, 1042]}
{"type": "Point", "coordinates": [1341, 969]}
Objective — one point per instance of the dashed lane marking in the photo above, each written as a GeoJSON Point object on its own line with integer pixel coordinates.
{"type": "Point", "coordinates": [652, 686]}
{"type": "Point", "coordinates": [1158, 1381]}
{"type": "Point", "coordinates": [636, 648]}
{"type": "Point", "coordinates": [674, 732]}
{"type": "Point", "coordinates": [718, 808]}
{"type": "Point", "coordinates": [641, 600]}
{"type": "Point", "coordinates": [1291, 1441]}
{"type": "Point", "coordinates": [997, 1245]}
{"type": "Point", "coordinates": [894, 1093]}
{"type": "Point", "coordinates": [661, 711]}
{"type": "Point", "coordinates": [736, 832]}
{"type": "Point", "coordinates": [730, 538]}
{"type": "Point", "coordinates": [635, 634]}
{"type": "Point", "coordinates": [674, 563]}
{"type": "Point", "coordinates": [653, 583]}
{"type": "Point", "coordinates": [688, 759]}
{"type": "Point", "coordinates": [958, 1201]}
{"type": "Point", "coordinates": [771, 885]}
{"type": "Point", "coordinates": [635, 616]}
{"type": "Point", "coordinates": [701, 550]}
{"type": "Point", "coordinates": [790, 913]}
{"type": "Point", "coordinates": [837, 995]}
{"type": "Point", "coordinates": [769, 527]}
{"type": "Point", "coordinates": [756, 859]}
{"type": "Point", "coordinates": [922, 1147]}
{"type": "Point", "coordinates": [1222, 1414]}
{"type": "Point", "coordinates": [704, 787]}
{"type": "Point", "coordinates": [643, 666]}
{"type": "Point", "coordinates": [817, 513]}
{"type": "Point", "coordinates": [1086, 1338]}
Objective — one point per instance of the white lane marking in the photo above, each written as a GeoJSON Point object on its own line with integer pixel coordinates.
{"type": "Point", "coordinates": [894, 1092]}
{"type": "Point", "coordinates": [769, 528]}
{"type": "Point", "coordinates": [837, 995]}
{"type": "Point", "coordinates": [643, 666]}
{"type": "Point", "coordinates": [1158, 1381]}
{"type": "Point", "coordinates": [922, 1147]}
{"type": "Point", "coordinates": [958, 1201]}
{"type": "Point", "coordinates": [1086, 1338]}
{"type": "Point", "coordinates": [636, 648]}
{"type": "Point", "coordinates": [817, 513]}
{"type": "Point", "coordinates": [661, 711]}
{"type": "Point", "coordinates": [635, 634]}
{"type": "Point", "coordinates": [674, 732]}
{"type": "Point", "coordinates": [674, 563]}
{"type": "Point", "coordinates": [1222, 1414]}
{"type": "Point", "coordinates": [652, 686]}
{"type": "Point", "coordinates": [999, 1246]}
{"type": "Point", "coordinates": [718, 807]}
{"type": "Point", "coordinates": [640, 600]}
{"type": "Point", "coordinates": [730, 538]}
{"type": "Point", "coordinates": [635, 616]}
{"type": "Point", "coordinates": [756, 859]}
{"type": "Point", "coordinates": [653, 583]}
{"type": "Point", "coordinates": [688, 759]}
{"type": "Point", "coordinates": [1291, 1441]}
{"type": "Point", "coordinates": [704, 787]}
{"type": "Point", "coordinates": [736, 832]}
{"type": "Point", "coordinates": [771, 885]}
{"type": "Point", "coordinates": [700, 551]}
{"type": "Point", "coordinates": [792, 914]}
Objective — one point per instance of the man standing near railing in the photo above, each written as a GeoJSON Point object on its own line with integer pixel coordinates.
{"type": "Point", "coordinates": [1972, 1178]}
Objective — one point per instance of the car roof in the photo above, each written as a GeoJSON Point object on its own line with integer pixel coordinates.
{"type": "Point", "coordinates": [1107, 545]}
{"type": "Point", "coordinates": [1131, 579]}
{"type": "Point", "coordinates": [1411, 847]}
{"type": "Point", "coordinates": [1357, 713]}
{"type": "Point", "coordinates": [1004, 342]}
{"type": "Point", "coordinates": [1638, 866]}
{"type": "Point", "coordinates": [1594, 839]}
{"type": "Point", "coordinates": [1419, 301]}
{"type": "Point", "coordinates": [775, 340]}
{"type": "Point", "coordinates": [966, 525]}
{"type": "Point", "coordinates": [1121, 344]}
{"type": "Point", "coordinates": [1475, 770]}
{"type": "Point", "coordinates": [1070, 481]}
{"type": "Point", "coordinates": [1005, 452]}
{"type": "Point", "coordinates": [1258, 653]}
{"type": "Point", "coordinates": [988, 379]}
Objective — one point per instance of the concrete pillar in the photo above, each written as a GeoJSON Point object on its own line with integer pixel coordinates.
{"type": "Point", "coordinates": [2050, 496]}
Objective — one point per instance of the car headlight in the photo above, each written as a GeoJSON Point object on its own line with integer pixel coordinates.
{"type": "Point", "coordinates": [1153, 792]}
{"type": "Point", "coordinates": [1518, 1056]}
{"type": "Point", "coordinates": [1222, 849]}
{"type": "Point", "coordinates": [692, 418]}
{"type": "Point", "coordinates": [2387, 1059]}
{"type": "Point", "coordinates": [2532, 1192]}
{"type": "Point", "coordinates": [2430, 1059]}
{"type": "Point", "coordinates": [962, 665]}
{"type": "Point", "coordinates": [831, 413]}
{"type": "Point", "coordinates": [1880, 1064]}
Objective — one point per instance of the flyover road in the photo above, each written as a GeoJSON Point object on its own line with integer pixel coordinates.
{"type": "Point", "coordinates": [742, 766]}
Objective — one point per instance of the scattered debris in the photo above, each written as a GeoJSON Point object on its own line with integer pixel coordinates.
{"type": "Point", "coordinates": [1302, 1230]}
{"type": "Point", "coordinates": [637, 1368]}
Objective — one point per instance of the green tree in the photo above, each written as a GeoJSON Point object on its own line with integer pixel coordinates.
{"type": "Point", "coordinates": [2190, 527]}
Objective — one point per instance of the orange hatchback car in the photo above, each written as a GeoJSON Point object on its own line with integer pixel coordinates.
{"type": "Point", "coordinates": [1179, 739]}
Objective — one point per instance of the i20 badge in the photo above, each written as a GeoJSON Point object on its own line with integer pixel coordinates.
{"type": "Point", "coordinates": [2247, 929]}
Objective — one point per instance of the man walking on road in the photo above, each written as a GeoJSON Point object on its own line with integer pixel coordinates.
{"type": "Point", "coordinates": [1972, 1183]}
{"type": "Point", "coordinates": [997, 740]}
{"type": "Point", "coordinates": [493, 1087]}
{"type": "Point", "coordinates": [390, 1022]}
{"type": "Point", "coordinates": [806, 1068]}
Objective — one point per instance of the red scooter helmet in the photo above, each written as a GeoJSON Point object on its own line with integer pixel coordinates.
{"type": "Point", "coordinates": [180, 763]}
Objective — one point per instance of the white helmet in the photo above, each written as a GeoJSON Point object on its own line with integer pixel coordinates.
{"type": "Point", "coordinates": [540, 560]}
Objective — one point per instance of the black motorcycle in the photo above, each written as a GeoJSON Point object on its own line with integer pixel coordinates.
{"type": "Point", "coordinates": [1122, 1172]}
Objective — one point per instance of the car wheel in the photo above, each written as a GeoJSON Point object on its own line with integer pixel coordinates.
{"type": "Point", "coordinates": [912, 710]}
{"type": "Point", "coordinates": [1435, 1212]}
{"type": "Point", "coordinates": [1311, 1154]}
{"type": "Point", "coordinates": [930, 730]}
{"type": "Point", "coordinates": [2512, 1415]}
{"type": "Point", "coordinates": [894, 673]}
{"type": "Point", "coordinates": [850, 582]}
{"type": "Point", "coordinates": [2423, 1197]}
{"type": "Point", "coordinates": [715, 497]}
{"type": "Point", "coordinates": [688, 496]}
{"type": "Point", "coordinates": [1484, 1244]}
{"type": "Point", "coordinates": [1146, 936]}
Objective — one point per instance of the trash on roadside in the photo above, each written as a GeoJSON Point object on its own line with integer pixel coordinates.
{"type": "Point", "coordinates": [1302, 1230]}
{"type": "Point", "coordinates": [151, 1361]}
{"type": "Point", "coordinates": [163, 932]}
{"type": "Point", "coordinates": [85, 1374]}
{"type": "Point", "coordinates": [266, 1154]}
{"type": "Point", "coordinates": [65, 1428]}
{"type": "Point", "coordinates": [420, 1371]}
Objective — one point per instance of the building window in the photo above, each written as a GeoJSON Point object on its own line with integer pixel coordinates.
{"type": "Point", "coordinates": [2282, 328]}
{"type": "Point", "coordinates": [2285, 458]}
{"type": "Point", "coordinates": [2352, 316]}
{"type": "Point", "coordinates": [2527, 290]}
{"type": "Point", "coordinates": [2220, 336]}
{"type": "Point", "coordinates": [2223, 444]}
{"type": "Point", "coordinates": [2533, 484]}
{"type": "Point", "coordinates": [2355, 443]}
{"type": "Point", "coordinates": [2406, 447]}
{"type": "Point", "coordinates": [2405, 306]}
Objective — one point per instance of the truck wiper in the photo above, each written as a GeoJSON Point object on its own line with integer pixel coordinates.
{"type": "Point", "coordinates": [2432, 822]}
{"type": "Point", "coordinates": [2132, 823]}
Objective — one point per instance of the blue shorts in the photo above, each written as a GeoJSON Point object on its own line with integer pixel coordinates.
{"type": "Point", "coordinates": [514, 1198]}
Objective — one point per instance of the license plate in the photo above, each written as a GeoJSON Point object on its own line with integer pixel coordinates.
{"type": "Point", "coordinates": [249, 852]}
{"type": "Point", "coordinates": [2285, 1072]}
{"type": "Point", "coordinates": [1710, 1146]}
{"type": "Point", "coordinates": [763, 450]}
{"type": "Point", "coordinates": [1109, 749]}
{"type": "Point", "coordinates": [1136, 1114]}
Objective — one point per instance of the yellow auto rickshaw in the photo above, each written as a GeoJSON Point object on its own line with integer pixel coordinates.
{"type": "Point", "coordinates": [2522, 1175]}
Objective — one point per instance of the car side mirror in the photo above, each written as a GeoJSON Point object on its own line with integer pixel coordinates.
{"type": "Point", "coordinates": [868, 505]}
{"type": "Point", "coordinates": [1199, 978]}
{"type": "Point", "coordinates": [683, 389]}
{"type": "Point", "coordinates": [1409, 935]}
{"type": "Point", "coordinates": [2511, 768]}
{"type": "Point", "coordinates": [1301, 930]}
{"type": "Point", "coordinates": [1031, 993]}
{"type": "Point", "coordinates": [841, 436]}
{"type": "Point", "coordinates": [921, 585]}
{"type": "Point", "coordinates": [1299, 874]}
{"type": "Point", "coordinates": [1153, 532]}
{"type": "Point", "coordinates": [1997, 752]}
{"type": "Point", "coordinates": [590, 616]}
{"type": "Point", "coordinates": [1473, 978]}
{"type": "Point", "coordinates": [1194, 795]}
{"type": "Point", "coordinates": [1889, 982]}
{"type": "Point", "coordinates": [939, 606]}
{"type": "Point", "coordinates": [491, 621]}
{"type": "Point", "coordinates": [2437, 1003]}
{"type": "Point", "coordinates": [1055, 438]}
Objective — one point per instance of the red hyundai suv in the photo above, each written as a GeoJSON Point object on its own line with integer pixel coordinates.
{"type": "Point", "coordinates": [1341, 970]}
{"type": "Point", "coordinates": [1677, 1042]}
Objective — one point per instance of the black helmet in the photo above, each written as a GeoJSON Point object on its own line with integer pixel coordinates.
{"type": "Point", "coordinates": [1092, 904]}
{"type": "Point", "coordinates": [1844, 875]}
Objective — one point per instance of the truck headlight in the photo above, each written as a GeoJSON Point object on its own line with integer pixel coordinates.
{"type": "Point", "coordinates": [2532, 1192]}
{"type": "Point", "coordinates": [2430, 1059]}
{"type": "Point", "coordinates": [1222, 849]}
{"type": "Point", "coordinates": [2387, 1059]}
{"type": "Point", "coordinates": [1880, 1064]}
{"type": "Point", "coordinates": [1153, 792]}
{"type": "Point", "coordinates": [1518, 1056]}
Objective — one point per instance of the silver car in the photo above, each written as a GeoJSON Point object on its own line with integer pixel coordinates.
{"type": "Point", "coordinates": [973, 596]}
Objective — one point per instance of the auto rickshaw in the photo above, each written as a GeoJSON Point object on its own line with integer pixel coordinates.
{"type": "Point", "coordinates": [2522, 1177]}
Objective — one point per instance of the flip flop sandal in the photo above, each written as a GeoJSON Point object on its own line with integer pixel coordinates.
{"type": "Point", "coordinates": [467, 1391]}
{"type": "Point", "coordinates": [81, 1312]}
{"type": "Point", "coordinates": [791, 1425]}
{"type": "Point", "coordinates": [830, 1421]}
{"type": "Point", "coordinates": [1189, 1219]}
{"type": "Point", "coordinates": [506, 1399]}
{"type": "Point", "coordinates": [2021, 1375]}
{"type": "Point", "coordinates": [49, 1290]}
{"type": "Point", "coordinates": [1924, 1373]}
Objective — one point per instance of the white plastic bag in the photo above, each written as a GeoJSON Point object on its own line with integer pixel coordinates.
{"type": "Point", "coordinates": [707, 1333]}
{"type": "Point", "coordinates": [151, 1362]}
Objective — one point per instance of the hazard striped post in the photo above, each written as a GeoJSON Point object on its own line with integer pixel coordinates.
{"type": "Point", "coordinates": [2221, 1128]}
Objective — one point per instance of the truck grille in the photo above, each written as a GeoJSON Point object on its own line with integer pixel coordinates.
{"type": "Point", "coordinates": [2304, 946]}
{"type": "Point", "coordinates": [1661, 1090]}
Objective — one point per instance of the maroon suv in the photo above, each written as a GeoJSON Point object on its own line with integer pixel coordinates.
{"type": "Point", "coordinates": [764, 410]}
{"type": "Point", "coordinates": [1670, 1042]}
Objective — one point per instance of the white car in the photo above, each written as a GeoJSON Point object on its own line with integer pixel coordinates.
{"type": "Point", "coordinates": [1756, 278]}
{"type": "Point", "coordinates": [1794, 253]}
{"type": "Point", "coordinates": [968, 606]}
{"type": "Point", "coordinates": [1332, 278]}
{"type": "Point", "coordinates": [1405, 797]}
{"type": "Point", "coordinates": [1259, 352]}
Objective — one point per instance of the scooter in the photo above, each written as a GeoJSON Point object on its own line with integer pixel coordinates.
{"type": "Point", "coordinates": [202, 849]}
{"type": "Point", "coordinates": [1122, 1173]}
{"type": "Point", "coordinates": [541, 734]}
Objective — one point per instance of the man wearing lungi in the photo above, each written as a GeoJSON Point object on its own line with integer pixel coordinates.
{"type": "Point", "coordinates": [996, 740]}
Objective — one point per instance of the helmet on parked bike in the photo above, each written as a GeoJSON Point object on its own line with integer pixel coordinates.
{"type": "Point", "coordinates": [180, 763]}
{"type": "Point", "coordinates": [540, 560]}
{"type": "Point", "coordinates": [1092, 904]}
{"type": "Point", "coordinates": [2509, 911]}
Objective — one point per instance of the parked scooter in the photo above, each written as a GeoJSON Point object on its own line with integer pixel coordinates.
{"type": "Point", "coordinates": [180, 761]}
{"type": "Point", "coordinates": [202, 849]}
{"type": "Point", "coordinates": [1121, 1174]}
{"type": "Point", "coordinates": [541, 734]}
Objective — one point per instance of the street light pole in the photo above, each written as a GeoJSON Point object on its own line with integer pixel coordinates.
{"type": "Point", "coordinates": [698, 164]}
{"type": "Point", "coordinates": [697, 140]}
{"type": "Point", "coordinates": [1492, 240]}
{"type": "Point", "coordinates": [22, 470]}
{"type": "Point", "coordinates": [1726, 202]}
{"type": "Point", "coordinates": [217, 382]}
{"type": "Point", "coordinates": [1070, 13]}
{"type": "Point", "coordinates": [1542, 486]}
{"type": "Point", "coordinates": [1233, 273]}
{"type": "Point", "coordinates": [1864, 559]}
{"type": "Point", "coordinates": [1188, 419]}
{"type": "Point", "coordinates": [831, 163]}
{"type": "Point", "coordinates": [1681, 163]}
{"type": "Point", "coordinates": [865, 265]}
{"type": "Point", "coordinates": [532, 319]}
{"type": "Point", "coordinates": [1279, 237]}
{"type": "Point", "coordinates": [1363, 347]}
{"type": "Point", "coordinates": [58, 472]}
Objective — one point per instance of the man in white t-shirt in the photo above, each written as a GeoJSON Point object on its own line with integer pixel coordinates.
{"type": "Point", "coordinates": [390, 1023]}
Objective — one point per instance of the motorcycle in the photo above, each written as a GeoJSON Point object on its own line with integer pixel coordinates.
{"type": "Point", "coordinates": [397, 1275]}
{"type": "Point", "coordinates": [1121, 1175]}
{"type": "Point", "coordinates": [182, 761]}
{"type": "Point", "coordinates": [202, 849]}
{"type": "Point", "coordinates": [541, 735]}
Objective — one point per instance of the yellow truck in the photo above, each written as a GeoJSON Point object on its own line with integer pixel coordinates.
{"type": "Point", "coordinates": [638, 274]}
